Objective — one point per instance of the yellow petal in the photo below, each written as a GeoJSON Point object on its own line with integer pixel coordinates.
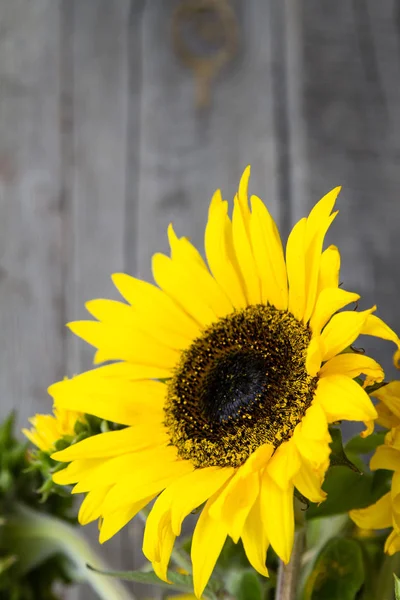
{"type": "Point", "coordinates": [73, 472]}
{"type": "Point", "coordinates": [268, 255]}
{"type": "Point", "coordinates": [353, 365]}
{"type": "Point", "coordinates": [144, 482]}
{"type": "Point", "coordinates": [311, 436]}
{"type": "Point", "coordinates": [114, 470]}
{"type": "Point", "coordinates": [284, 464]}
{"type": "Point", "coordinates": [191, 490]}
{"type": "Point", "coordinates": [392, 544]}
{"type": "Point", "coordinates": [329, 302]}
{"type": "Point", "coordinates": [154, 303]}
{"type": "Point", "coordinates": [395, 492]}
{"type": "Point", "coordinates": [390, 396]}
{"type": "Point", "coordinates": [234, 501]}
{"type": "Point", "coordinates": [343, 398]}
{"type": "Point", "coordinates": [92, 504]}
{"type": "Point", "coordinates": [376, 516]}
{"type": "Point", "coordinates": [341, 331]}
{"type": "Point", "coordinates": [318, 223]}
{"type": "Point", "coordinates": [314, 356]}
{"type": "Point", "coordinates": [168, 541]}
{"type": "Point", "coordinates": [217, 252]}
{"type": "Point", "coordinates": [156, 525]}
{"type": "Point", "coordinates": [278, 517]}
{"type": "Point", "coordinates": [329, 269]}
{"type": "Point", "coordinates": [255, 541]}
{"type": "Point", "coordinates": [119, 344]}
{"type": "Point", "coordinates": [173, 279]}
{"type": "Point", "coordinates": [125, 402]}
{"type": "Point", "coordinates": [197, 277]}
{"type": "Point", "coordinates": [308, 481]}
{"type": "Point", "coordinates": [295, 263]}
{"type": "Point", "coordinates": [208, 540]}
{"type": "Point", "coordinates": [113, 443]}
{"type": "Point", "coordinates": [385, 457]}
{"type": "Point", "coordinates": [121, 316]}
{"type": "Point", "coordinates": [244, 251]}
{"type": "Point", "coordinates": [376, 327]}
{"type": "Point", "coordinates": [113, 522]}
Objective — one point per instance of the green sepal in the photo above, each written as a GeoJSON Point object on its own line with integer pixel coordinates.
{"type": "Point", "coordinates": [338, 572]}
{"type": "Point", "coordinates": [338, 456]}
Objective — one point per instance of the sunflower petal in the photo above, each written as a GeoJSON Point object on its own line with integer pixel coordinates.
{"type": "Point", "coordinates": [244, 252]}
{"type": "Point", "coordinates": [329, 269]}
{"type": "Point", "coordinates": [113, 522]}
{"type": "Point", "coordinates": [217, 253]}
{"type": "Point", "coordinates": [353, 365]}
{"type": "Point", "coordinates": [191, 490]}
{"type": "Point", "coordinates": [343, 398]}
{"type": "Point", "coordinates": [173, 279]}
{"type": "Point", "coordinates": [329, 302]}
{"type": "Point", "coordinates": [295, 262]}
{"type": "Point", "coordinates": [278, 516]}
{"type": "Point", "coordinates": [208, 540]}
{"type": "Point", "coordinates": [268, 254]}
{"type": "Point", "coordinates": [91, 506]}
{"type": "Point", "coordinates": [255, 541]}
{"type": "Point", "coordinates": [376, 516]}
{"type": "Point", "coordinates": [341, 331]}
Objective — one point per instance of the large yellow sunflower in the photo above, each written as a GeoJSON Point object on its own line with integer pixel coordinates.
{"type": "Point", "coordinates": [227, 379]}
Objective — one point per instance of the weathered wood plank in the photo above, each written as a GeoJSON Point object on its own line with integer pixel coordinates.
{"type": "Point", "coordinates": [96, 99]}
{"type": "Point", "coordinates": [31, 228]}
{"type": "Point", "coordinates": [186, 154]}
{"type": "Point", "coordinates": [350, 102]}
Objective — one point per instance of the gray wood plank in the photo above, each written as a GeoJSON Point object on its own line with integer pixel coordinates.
{"type": "Point", "coordinates": [96, 97]}
{"type": "Point", "coordinates": [185, 154]}
{"type": "Point", "coordinates": [349, 102]}
{"type": "Point", "coordinates": [31, 227]}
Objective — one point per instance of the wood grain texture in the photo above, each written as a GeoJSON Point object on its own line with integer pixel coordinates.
{"type": "Point", "coordinates": [350, 102]}
{"type": "Point", "coordinates": [185, 154]}
{"type": "Point", "coordinates": [101, 147]}
{"type": "Point", "coordinates": [96, 98]}
{"type": "Point", "coordinates": [31, 219]}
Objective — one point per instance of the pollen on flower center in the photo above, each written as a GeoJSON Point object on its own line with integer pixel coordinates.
{"type": "Point", "coordinates": [242, 383]}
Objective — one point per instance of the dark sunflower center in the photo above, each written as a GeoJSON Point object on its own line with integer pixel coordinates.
{"type": "Point", "coordinates": [242, 383]}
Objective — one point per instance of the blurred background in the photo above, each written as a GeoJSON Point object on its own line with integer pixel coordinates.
{"type": "Point", "coordinates": [120, 116]}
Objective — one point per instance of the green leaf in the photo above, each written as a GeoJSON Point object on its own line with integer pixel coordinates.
{"type": "Point", "coordinates": [396, 587]}
{"type": "Point", "coordinates": [360, 445]}
{"type": "Point", "coordinates": [338, 572]}
{"type": "Point", "coordinates": [338, 456]}
{"type": "Point", "coordinates": [183, 583]}
{"type": "Point", "coordinates": [244, 584]}
{"type": "Point", "coordinates": [348, 490]}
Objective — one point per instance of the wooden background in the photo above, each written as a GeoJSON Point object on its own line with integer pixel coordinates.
{"type": "Point", "coordinates": [101, 146]}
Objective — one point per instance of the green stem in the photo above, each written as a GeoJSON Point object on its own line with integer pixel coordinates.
{"type": "Point", "coordinates": [29, 524]}
{"type": "Point", "coordinates": [288, 575]}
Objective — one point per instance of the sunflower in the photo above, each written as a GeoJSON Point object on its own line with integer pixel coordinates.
{"type": "Point", "coordinates": [227, 378]}
{"type": "Point", "coordinates": [386, 511]}
{"type": "Point", "coordinates": [47, 430]}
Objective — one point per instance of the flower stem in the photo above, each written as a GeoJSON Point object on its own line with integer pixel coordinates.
{"type": "Point", "coordinates": [288, 575]}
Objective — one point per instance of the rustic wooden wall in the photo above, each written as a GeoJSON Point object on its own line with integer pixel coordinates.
{"type": "Point", "coordinates": [101, 147]}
